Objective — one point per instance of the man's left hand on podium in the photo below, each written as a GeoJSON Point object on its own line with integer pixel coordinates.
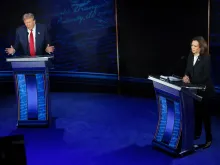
{"type": "Point", "coordinates": [49, 49]}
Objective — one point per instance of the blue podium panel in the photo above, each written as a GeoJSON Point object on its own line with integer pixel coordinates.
{"type": "Point", "coordinates": [175, 128]}
{"type": "Point", "coordinates": [32, 87]}
{"type": "Point", "coordinates": [41, 97]}
{"type": "Point", "coordinates": [32, 98]}
{"type": "Point", "coordinates": [168, 133]}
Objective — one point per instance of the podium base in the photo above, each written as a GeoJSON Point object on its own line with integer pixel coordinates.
{"type": "Point", "coordinates": [173, 152]}
{"type": "Point", "coordinates": [33, 124]}
{"type": "Point", "coordinates": [186, 153]}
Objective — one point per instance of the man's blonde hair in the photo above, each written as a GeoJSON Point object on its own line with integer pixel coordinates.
{"type": "Point", "coordinates": [28, 16]}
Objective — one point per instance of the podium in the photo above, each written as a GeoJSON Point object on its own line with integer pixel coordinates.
{"type": "Point", "coordinates": [32, 88]}
{"type": "Point", "coordinates": [175, 128]}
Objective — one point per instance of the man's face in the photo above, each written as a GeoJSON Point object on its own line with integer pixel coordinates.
{"type": "Point", "coordinates": [29, 23]}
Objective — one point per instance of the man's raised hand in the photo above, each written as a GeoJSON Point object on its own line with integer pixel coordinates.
{"type": "Point", "coordinates": [10, 50]}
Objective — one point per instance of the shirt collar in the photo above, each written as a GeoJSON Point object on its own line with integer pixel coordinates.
{"type": "Point", "coordinates": [33, 28]}
{"type": "Point", "coordinates": [196, 56]}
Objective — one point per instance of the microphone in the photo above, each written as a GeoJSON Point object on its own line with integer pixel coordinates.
{"type": "Point", "coordinates": [183, 57]}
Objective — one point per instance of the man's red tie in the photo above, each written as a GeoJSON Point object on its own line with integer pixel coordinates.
{"type": "Point", "coordinates": [31, 44]}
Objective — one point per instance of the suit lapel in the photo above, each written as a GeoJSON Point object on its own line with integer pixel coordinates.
{"type": "Point", "coordinates": [197, 61]}
{"type": "Point", "coordinates": [37, 38]}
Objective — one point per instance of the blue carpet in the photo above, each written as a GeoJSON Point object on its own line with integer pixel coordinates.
{"type": "Point", "coordinates": [98, 129]}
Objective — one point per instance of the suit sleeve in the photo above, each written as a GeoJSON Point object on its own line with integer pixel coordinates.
{"type": "Point", "coordinates": [17, 41]}
{"type": "Point", "coordinates": [207, 69]}
{"type": "Point", "coordinates": [47, 37]}
{"type": "Point", "coordinates": [187, 71]}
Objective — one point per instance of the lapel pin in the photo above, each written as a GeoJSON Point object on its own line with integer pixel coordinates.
{"type": "Point", "coordinates": [38, 33]}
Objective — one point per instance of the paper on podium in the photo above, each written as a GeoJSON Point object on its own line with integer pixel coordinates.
{"type": "Point", "coordinates": [170, 78]}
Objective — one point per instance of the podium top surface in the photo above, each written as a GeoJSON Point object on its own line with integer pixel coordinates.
{"type": "Point", "coordinates": [178, 85]}
{"type": "Point", "coordinates": [29, 59]}
{"type": "Point", "coordinates": [158, 80]}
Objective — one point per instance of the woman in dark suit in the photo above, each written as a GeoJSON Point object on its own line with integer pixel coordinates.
{"type": "Point", "coordinates": [198, 72]}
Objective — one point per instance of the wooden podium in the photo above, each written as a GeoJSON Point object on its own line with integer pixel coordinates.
{"type": "Point", "coordinates": [175, 129]}
{"type": "Point", "coordinates": [32, 87]}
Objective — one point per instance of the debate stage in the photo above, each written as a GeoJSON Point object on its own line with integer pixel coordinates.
{"type": "Point", "coordinates": [98, 127]}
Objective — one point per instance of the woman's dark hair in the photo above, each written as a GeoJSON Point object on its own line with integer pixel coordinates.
{"type": "Point", "coordinates": [202, 44]}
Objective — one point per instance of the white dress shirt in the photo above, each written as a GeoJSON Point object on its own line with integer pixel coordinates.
{"type": "Point", "coordinates": [34, 34]}
{"type": "Point", "coordinates": [195, 59]}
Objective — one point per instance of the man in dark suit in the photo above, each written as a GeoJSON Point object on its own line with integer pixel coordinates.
{"type": "Point", "coordinates": [31, 39]}
{"type": "Point", "coordinates": [198, 72]}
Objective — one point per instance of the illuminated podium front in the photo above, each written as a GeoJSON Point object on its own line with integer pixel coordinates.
{"type": "Point", "coordinates": [175, 128]}
{"type": "Point", "coordinates": [32, 88]}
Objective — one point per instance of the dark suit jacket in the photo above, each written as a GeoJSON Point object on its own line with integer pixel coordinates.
{"type": "Point", "coordinates": [42, 40]}
{"type": "Point", "coordinates": [200, 73]}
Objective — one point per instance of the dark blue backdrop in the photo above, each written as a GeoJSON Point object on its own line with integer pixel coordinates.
{"type": "Point", "coordinates": [84, 34]}
{"type": "Point", "coordinates": [215, 39]}
{"type": "Point", "coordinates": [82, 31]}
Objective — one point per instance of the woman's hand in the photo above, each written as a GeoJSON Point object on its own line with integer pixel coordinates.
{"type": "Point", "coordinates": [186, 79]}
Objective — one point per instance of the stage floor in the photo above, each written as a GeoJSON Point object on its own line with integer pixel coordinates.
{"type": "Point", "coordinates": [99, 129]}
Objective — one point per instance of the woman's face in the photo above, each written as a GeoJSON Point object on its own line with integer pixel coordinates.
{"type": "Point", "coordinates": [195, 47]}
